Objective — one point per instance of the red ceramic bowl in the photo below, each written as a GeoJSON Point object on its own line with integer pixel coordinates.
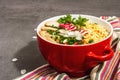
{"type": "Point", "coordinates": [76, 60]}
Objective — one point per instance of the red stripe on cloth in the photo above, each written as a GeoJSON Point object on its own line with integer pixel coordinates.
{"type": "Point", "coordinates": [115, 70]}
{"type": "Point", "coordinates": [53, 76]}
{"type": "Point", "coordinates": [116, 26]}
{"type": "Point", "coordinates": [111, 67]}
{"type": "Point", "coordinates": [118, 76]}
{"type": "Point", "coordinates": [36, 71]}
{"type": "Point", "coordinates": [105, 67]}
{"type": "Point", "coordinates": [45, 78]}
{"type": "Point", "coordinates": [42, 74]}
{"type": "Point", "coordinates": [104, 17]}
{"type": "Point", "coordinates": [114, 22]}
{"type": "Point", "coordinates": [50, 76]}
{"type": "Point", "coordinates": [104, 70]}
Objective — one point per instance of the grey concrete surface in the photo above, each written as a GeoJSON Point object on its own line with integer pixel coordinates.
{"type": "Point", "coordinates": [18, 18]}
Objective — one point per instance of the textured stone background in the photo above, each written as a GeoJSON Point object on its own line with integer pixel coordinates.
{"type": "Point", "coordinates": [18, 18]}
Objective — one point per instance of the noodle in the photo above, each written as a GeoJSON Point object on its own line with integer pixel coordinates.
{"type": "Point", "coordinates": [72, 33]}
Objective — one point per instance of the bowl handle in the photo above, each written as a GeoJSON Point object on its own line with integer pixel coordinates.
{"type": "Point", "coordinates": [107, 51]}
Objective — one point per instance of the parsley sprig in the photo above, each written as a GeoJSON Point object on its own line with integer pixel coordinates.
{"type": "Point", "coordinates": [76, 21]}
{"type": "Point", "coordinates": [66, 19]}
{"type": "Point", "coordinates": [80, 21]}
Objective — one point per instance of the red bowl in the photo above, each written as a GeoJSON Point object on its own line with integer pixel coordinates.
{"type": "Point", "coordinates": [76, 60]}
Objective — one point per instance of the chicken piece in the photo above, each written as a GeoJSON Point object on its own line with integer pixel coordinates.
{"type": "Point", "coordinates": [52, 23]}
{"type": "Point", "coordinates": [47, 36]}
{"type": "Point", "coordinates": [48, 28]}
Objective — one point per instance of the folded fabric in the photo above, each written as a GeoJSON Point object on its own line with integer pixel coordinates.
{"type": "Point", "coordinates": [109, 70]}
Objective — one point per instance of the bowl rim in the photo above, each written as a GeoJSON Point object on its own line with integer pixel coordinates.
{"type": "Point", "coordinates": [39, 26]}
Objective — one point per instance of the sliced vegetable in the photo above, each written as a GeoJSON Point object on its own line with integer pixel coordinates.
{"type": "Point", "coordinates": [71, 40]}
{"type": "Point", "coordinates": [90, 41]}
{"type": "Point", "coordinates": [76, 22]}
{"type": "Point", "coordinates": [71, 30]}
{"type": "Point", "coordinates": [52, 32]}
{"type": "Point", "coordinates": [68, 26]}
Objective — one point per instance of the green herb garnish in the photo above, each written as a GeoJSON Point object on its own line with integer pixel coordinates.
{"type": "Point", "coordinates": [56, 37]}
{"type": "Point", "coordinates": [54, 26]}
{"type": "Point", "coordinates": [78, 22]}
{"type": "Point", "coordinates": [81, 42]}
{"type": "Point", "coordinates": [95, 23]}
{"type": "Point", "coordinates": [52, 32]}
{"type": "Point", "coordinates": [71, 40]}
{"type": "Point", "coordinates": [57, 27]}
{"type": "Point", "coordinates": [66, 19]}
{"type": "Point", "coordinates": [62, 38]}
{"type": "Point", "coordinates": [90, 41]}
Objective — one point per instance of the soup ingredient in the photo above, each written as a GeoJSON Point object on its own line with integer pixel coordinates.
{"type": "Point", "coordinates": [66, 19]}
{"type": "Point", "coordinates": [77, 22]}
{"type": "Point", "coordinates": [90, 41]}
{"type": "Point", "coordinates": [80, 21]}
{"type": "Point", "coordinates": [73, 31]}
{"type": "Point", "coordinates": [48, 28]}
{"type": "Point", "coordinates": [52, 23]}
{"type": "Point", "coordinates": [68, 26]}
{"type": "Point", "coordinates": [52, 32]}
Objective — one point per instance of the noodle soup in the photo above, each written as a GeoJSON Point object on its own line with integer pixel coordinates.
{"type": "Point", "coordinates": [75, 43]}
{"type": "Point", "coordinates": [73, 31]}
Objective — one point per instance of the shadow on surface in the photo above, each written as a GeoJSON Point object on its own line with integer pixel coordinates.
{"type": "Point", "coordinates": [29, 57]}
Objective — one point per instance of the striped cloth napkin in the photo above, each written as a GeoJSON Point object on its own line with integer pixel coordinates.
{"type": "Point", "coordinates": [109, 70]}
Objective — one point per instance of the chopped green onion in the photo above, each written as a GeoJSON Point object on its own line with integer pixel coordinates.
{"type": "Point", "coordinates": [56, 37]}
{"type": "Point", "coordinates": [54, 26]}
{"type": "Point", "coordinates": [50, 32]}
{"type": "Point", "coordinates": [90, 41]}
